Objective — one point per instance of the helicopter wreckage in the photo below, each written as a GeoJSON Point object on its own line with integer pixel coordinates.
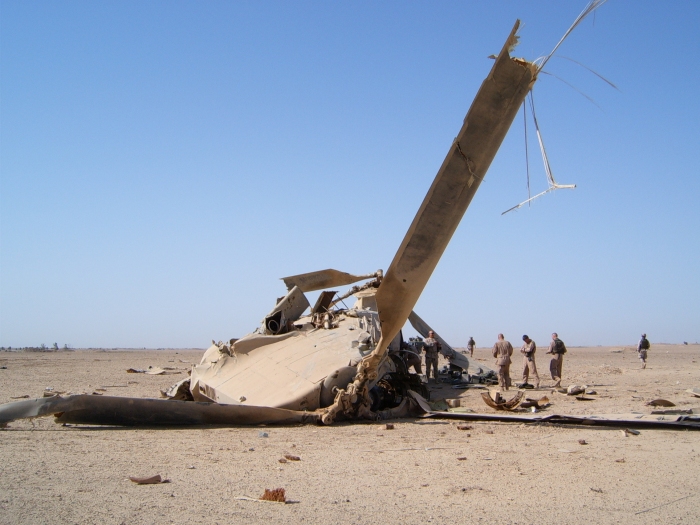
{"type": "Point", "coordinates": [323, 363]}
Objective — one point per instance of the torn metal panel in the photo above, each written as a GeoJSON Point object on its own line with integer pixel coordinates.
{"type": "Point", "coordinates": [323, 302]}
{"type": "Point", "coordinates": [126, 411]}
{"type": "Point", "coordinates": [309, 282]}
{"type": "Point", "coordinates": [179, 391]}
{"type": "Point", "coordinates": [285, 372]}
{"type": "Point", "coordinates": [500, 403]}
{"type": "Point", "coordinates": [286, 311]}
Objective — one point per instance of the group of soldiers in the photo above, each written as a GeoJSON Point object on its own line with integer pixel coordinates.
{"type": "Point", "coordinates": [502, 351]}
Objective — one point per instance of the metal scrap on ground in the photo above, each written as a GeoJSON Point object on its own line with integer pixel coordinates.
{"type": "Point", "coordinates": [150, 480]}
{"type": "Point", "coordinates": [498, 402]}
{"type": "Point", "coordinates": [539, 404]}
{"type": "Point", "coordinates": [274, 495]}
{"type": "Point", "coordinates": [660, 403]}
{"type": "Point", "coordinates": [694, 391]}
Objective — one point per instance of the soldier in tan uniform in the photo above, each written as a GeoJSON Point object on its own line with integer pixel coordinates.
{"type": "Point", "coordinates": [432, 348]}
{"type": "Point", "coordinates": [529, 367]}
{"type": "Point", "coordinates": [471, 344]}
{"type": "Point", "coordinates": [502, 351]}
{"type": "Point", "coordinates": [557, 349]}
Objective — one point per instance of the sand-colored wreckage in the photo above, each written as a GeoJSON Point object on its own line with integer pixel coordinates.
{"type": "Point", "coordinates": [327, 362]}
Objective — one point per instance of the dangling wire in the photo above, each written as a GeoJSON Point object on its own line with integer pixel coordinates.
{"type": "Point", "coordinates": [527, 158]}
{"type": "Point", "coordinates": [545, 159]}
{"type": "Point", "coordinates": [551, 182]}
{"type": "Point", "coordinates": [590, 8]}
{"type": "Point", "coordinates": [540, 63]}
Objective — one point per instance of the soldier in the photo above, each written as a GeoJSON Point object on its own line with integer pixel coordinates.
{"type": "Point", "coordinates": [470, 346]}
{"type": "Point", "coordinates": [411, 356]}
{"type": "Point", "coordinates": [557, 349]}
{"type": "Point", "coordinates": [642, 348]}
{"type": "Point", "coordinates": [432, 347]}
{"type": "Point", "coordinates": [529, 367]}
{"type": "Point", "coordinates": [502, 351]}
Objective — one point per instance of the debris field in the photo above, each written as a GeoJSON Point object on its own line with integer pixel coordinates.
{"type": "Point", "coordinates": [419, 471]}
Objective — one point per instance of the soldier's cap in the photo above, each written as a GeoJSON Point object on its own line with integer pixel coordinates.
{"type": "Point", "coordinates": [525, 338]}
{"type": "Point", "coordinates": [644, 335]}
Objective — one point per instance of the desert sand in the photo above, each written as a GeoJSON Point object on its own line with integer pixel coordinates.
{"type": "Point", "coordinates": [355, 472]}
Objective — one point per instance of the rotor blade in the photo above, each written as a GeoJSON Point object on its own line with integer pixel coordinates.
{"type": "Point", "coordinates": [126, 411]}
{"type": "Point", "coordinates": [453, 356]}
{"type": "Point", "coordinates": [455, 184]}
{"type": "Point", "coordinates": [423, 328]}
{"type": "Point", "coordinates": [309, 282]}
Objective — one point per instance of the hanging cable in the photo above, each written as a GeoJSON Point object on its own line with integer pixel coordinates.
{"type": "Point", "coordinates": [527, 158]}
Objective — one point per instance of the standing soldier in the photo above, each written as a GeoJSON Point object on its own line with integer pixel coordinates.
{"type": "Point", "coordinates": [502, 351]}
{"type": "Point", "coordinates": [470, 346]}
{"type": "Point", "coordinates": [528, 350]}
{"type": "Point", "coordinates": [557, 348]}
{"type": "Point", "coordinates": [432, 347]}
{"type": "Point", "coordinates": [642, 348]}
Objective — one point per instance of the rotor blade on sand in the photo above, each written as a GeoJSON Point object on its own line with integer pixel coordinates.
{"type": "Point", "coordinates": [127, 411]}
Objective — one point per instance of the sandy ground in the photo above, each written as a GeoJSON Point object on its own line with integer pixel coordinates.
{"type": "Point", "coordinates": [355, 473]}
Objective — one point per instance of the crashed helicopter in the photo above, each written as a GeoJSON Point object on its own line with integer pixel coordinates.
{"type": "Point", "coordinates": [350, 362]}
{"type": "Point", "coordinates": [327, 362]}
{"type": "Point", "coordinates": [334, 363]}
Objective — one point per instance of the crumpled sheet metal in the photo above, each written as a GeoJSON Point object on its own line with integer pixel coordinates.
{"type": "Point", "coordinates": [502, 404]}
{"type": "Point", "coordinates": [285, 372]}
{"type": "Point", "coordinates": [542, 402]}
{"type": "Point", "coordinates": [127, 411]}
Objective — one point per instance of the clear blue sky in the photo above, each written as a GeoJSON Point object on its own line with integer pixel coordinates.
{"type": "Point", "coordinates": [163, 163]}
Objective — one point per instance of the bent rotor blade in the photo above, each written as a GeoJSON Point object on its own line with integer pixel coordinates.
{"type": "Point", "coordinates": [455, 184]}
{"type": "Point", "coordinates": [423, 328]}
{"type": "Point", "coordinates": [126, 411]}
{"type": "Point", "coordinates": [452, 355]}
{"type": "Point", "coordinates": [309, 282]}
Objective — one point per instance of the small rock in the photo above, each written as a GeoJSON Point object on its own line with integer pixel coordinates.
{"type": "Point", "coordinates": [262, 434]}
{"type": "Point", "coordinates": [582, 442]}
{"type": "Point", "coordinates": [389, 426]}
